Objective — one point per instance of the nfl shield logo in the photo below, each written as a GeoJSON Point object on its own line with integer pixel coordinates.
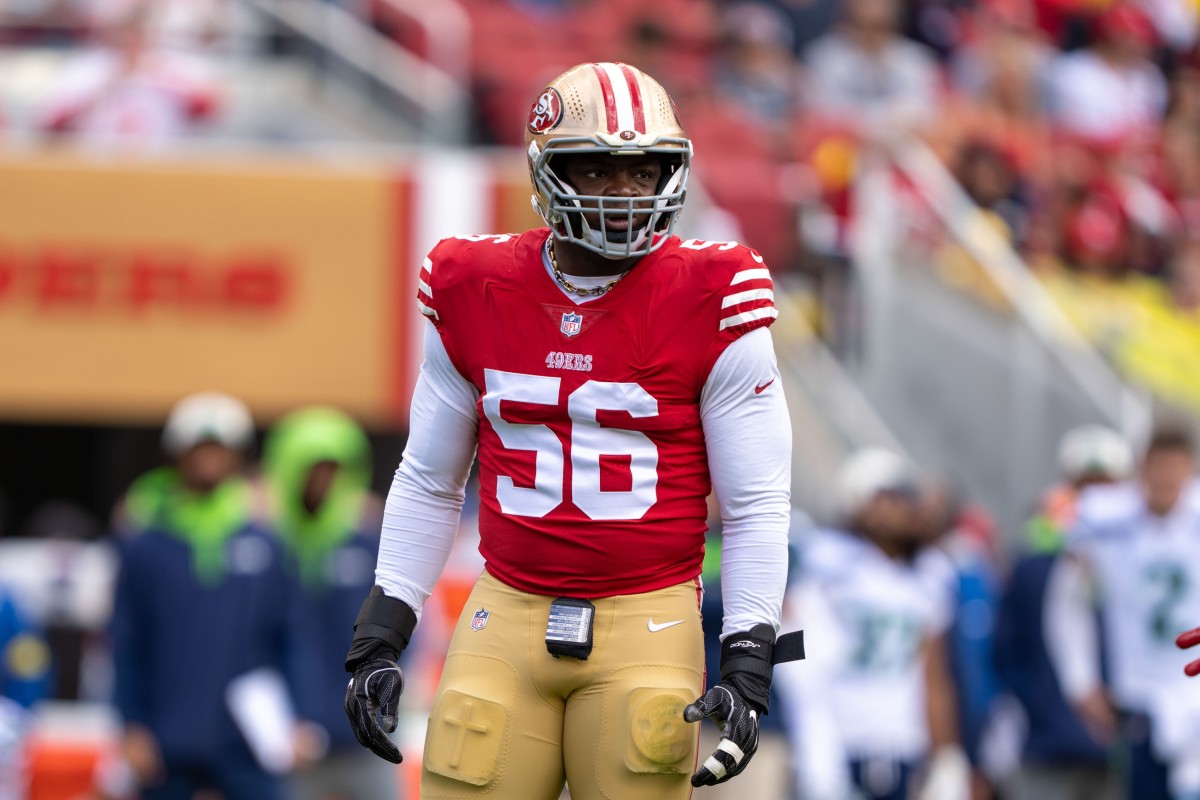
{"type": "Point", "coordinates": [571, 323]}
{"type": "Point", "coordinates": [479, 621]}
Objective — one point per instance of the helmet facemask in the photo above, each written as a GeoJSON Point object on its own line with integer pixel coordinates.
{"type": "Point", "coordinates": [649, 219]}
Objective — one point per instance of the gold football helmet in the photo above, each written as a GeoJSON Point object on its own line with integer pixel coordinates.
{"type": "Point", "coordinates": [614, 109]}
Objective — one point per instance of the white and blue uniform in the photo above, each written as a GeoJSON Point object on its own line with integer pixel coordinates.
{"type": "Point", "coordinates": [1146, 572]}
{"type": "Point", "coordinates": [861, 694]}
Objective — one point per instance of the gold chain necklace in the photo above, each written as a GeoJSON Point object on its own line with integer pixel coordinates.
{"type": "Point", "coordinates": [594, 291]}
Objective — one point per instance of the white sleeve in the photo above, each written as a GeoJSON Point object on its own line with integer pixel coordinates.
{"type": "Point", "coordinates": [420, 518]}
{"type": "Point", "coordinates": [1069, 628]}
{"type": "Point", "coordinates": [748, 434]}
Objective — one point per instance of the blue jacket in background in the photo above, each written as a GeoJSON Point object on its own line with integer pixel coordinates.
{"type": "Point", "coordinates": [970, 643]}
{"type": "Point", "coordinates": [178, 641]}
{"type": "Point", "coordinates": [322, 625]}
{"type": "Point", "coordinates": [1056, 736]}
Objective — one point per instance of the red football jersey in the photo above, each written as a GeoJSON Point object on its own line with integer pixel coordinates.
{"type": "Point", "coordinates": [593, 468]}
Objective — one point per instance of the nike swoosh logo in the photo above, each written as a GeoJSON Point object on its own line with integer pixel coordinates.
{"type": "Point", "coordinates": [761, 389]}
{"type": "Point", "coordinates": [656, 627]}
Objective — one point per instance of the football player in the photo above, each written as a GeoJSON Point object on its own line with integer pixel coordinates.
{"type": "Point", "coordinates": [608, 375]}
{"type": "Point", "coordinates": [1136, 546]}
{"type": "Point", "coordinates": [874, 716]}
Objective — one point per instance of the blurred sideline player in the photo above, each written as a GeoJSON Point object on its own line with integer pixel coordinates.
{"type": "Point", "coordinates": [1136, 546]}
{"type": "Point", "coordinates": [966, 534]}
{"type": "Point", "coordinates": [872, 715]}
{"type": "Point", "coordinates": [1060, 759]}
{"type": "Point", "coordinates": [200, 601]}
{"type": "Point", "coordinates": [317, 470]}
{"type": "Point", "coordinates": [609, 375]}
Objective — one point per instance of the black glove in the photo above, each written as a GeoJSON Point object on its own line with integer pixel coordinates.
{"type": "Point", "coordinates": [740, 698]}
{"type": "Point", "coordinates": [375, 687]}
{"type": "Point", "coordinates": [738, 722]}
{"type": "Point", "coordinates": [381, 632]}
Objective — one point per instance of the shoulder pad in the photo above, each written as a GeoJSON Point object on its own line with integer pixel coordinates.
{"type": "Point", "coordinates": [740, 279]}
{"type": "Point", "coordinates": [449, 260]}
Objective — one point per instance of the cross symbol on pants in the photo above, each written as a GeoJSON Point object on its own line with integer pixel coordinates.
{"type": "Point", "coordinates": [464, 725]}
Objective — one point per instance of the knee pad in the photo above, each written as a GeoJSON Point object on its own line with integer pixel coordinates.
{"type": "Point", "coordinates": [660, 741]}
{"type": "Point", "coordinates": [465, 737]}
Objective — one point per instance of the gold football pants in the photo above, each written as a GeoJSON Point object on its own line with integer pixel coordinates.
{"type": "Point", "coordinates": [512, 722]}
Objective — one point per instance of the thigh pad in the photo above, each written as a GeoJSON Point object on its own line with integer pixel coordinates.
{"type": "Point", "coordinates": [659, 740]}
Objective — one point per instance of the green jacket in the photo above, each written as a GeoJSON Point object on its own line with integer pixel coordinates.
{"type": "Point", "coordinates": [293, 447]}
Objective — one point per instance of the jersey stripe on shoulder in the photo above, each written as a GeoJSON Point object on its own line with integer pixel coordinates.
{"type": "Point", "coordinates": [749, 301]}
{"type": "Point", "coordinates": [425, 290]}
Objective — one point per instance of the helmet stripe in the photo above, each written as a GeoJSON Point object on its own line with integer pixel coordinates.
{"type": "Point", "coordinates": [635, 99]}
{"type": "Point", "coordinates": [610, 101]}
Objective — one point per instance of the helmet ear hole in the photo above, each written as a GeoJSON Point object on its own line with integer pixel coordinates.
{"type": "Point", "coordinates": [669, 165]}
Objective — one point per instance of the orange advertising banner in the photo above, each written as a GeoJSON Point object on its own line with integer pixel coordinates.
{"type": "Point", "coordinates": [126, 286]}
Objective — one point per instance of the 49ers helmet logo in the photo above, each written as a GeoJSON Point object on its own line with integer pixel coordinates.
{"type": "Point", "coordinates": [547, 112]}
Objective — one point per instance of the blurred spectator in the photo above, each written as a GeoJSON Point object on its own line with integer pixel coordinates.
{"type": "Point", "coordinates": [755, 68]}
{"type": "Point", "coordinates": [1097, 236]}
{"type": "Point", "coordinates": [872, 710]}
{"type": "Point", "coordinates": [199, 617]}
{"type": "Point", "coordinates": [649, 47]}
{"type": "Point", "coordinates": [1060, 759]}
{"type": "Point", "coordinates": [317, 465]}
{"type": "Point", "coordinates": [1133, 546]}
{"type": "Point", "coordinates": [1006, 213]}
{"type": "Point", "coordinates": [990, 179]}
{"type": "Point", "coordinates": [998, 73]}
{"type": "Point", "coordinates": [866, 72]}
{"type": "Point", "coordinates": [129, 92]}
{"type": "Point", "coordinates": [1110, 89]}
{"type": "Point", "coordinates": [807, 19]}
{"type": "Point", "coordinates": [1181, 145]}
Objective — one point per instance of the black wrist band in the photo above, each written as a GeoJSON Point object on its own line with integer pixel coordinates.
{"type": "Point", "coordinates": [748, 660]}
{"type": "Point", "coordinates": [382, 621]}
